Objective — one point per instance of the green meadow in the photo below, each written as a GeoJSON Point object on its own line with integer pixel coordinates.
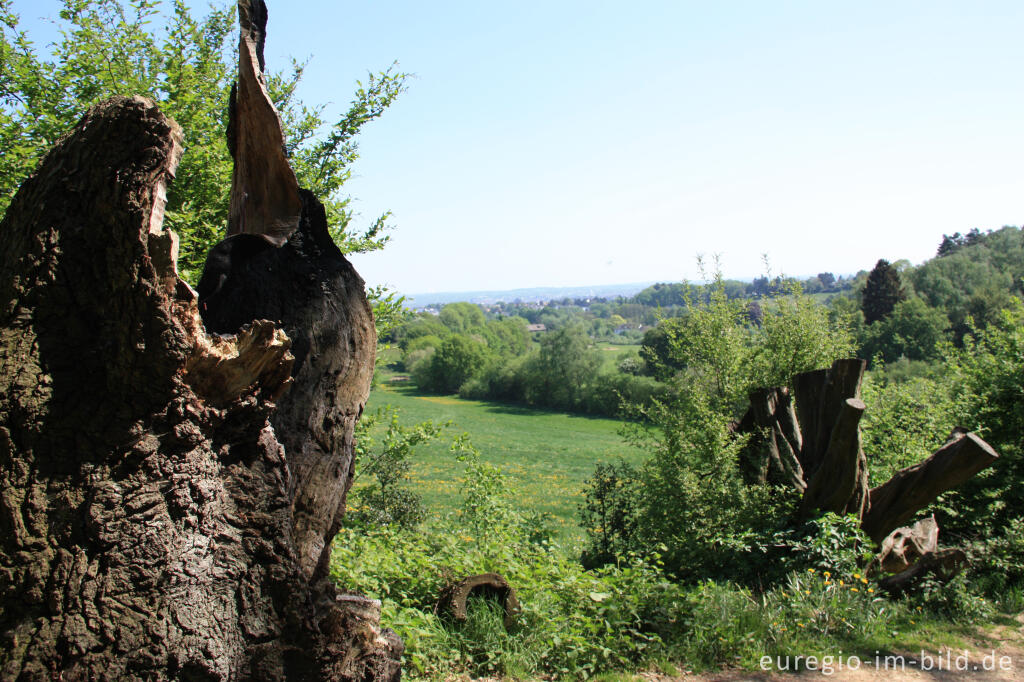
{"type": "Point", "coordinates": [547, 455]}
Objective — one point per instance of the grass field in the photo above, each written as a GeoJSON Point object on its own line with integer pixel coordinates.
{"type": "Point", "coordinates": [548, 455]}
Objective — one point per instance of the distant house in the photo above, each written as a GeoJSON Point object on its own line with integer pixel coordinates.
{"type": "Point", "coordinates": [536, 328]}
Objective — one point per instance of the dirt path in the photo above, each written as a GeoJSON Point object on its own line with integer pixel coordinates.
{"type": "Point", "coordinates": [996, 655]}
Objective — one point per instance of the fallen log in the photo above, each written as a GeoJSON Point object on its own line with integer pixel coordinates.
{"type": "Point", "coordinates": [894, 502]}
{"type": "Point", "coordinates": [452, 601]}
{"type": "Point", "coordinates": [943, 564]}
{"type": "Point", "coordinates": [904, 546]}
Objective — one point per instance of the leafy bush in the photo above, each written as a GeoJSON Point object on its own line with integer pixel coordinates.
{"type": "Point", "coordinates": [906, 421]}
{"type": "Point", "coordinates": [830, 543]}
{"type": "Point", "coordinates": [988, 373]}
{"type": "Point", "coordinates": [383, 451]}
{"type": "Point", "coordinates": [573, 622]}
{"type": "Point", "coordinates": [690, 497]}
{"type": "Point", "coordinates": [183, 63]}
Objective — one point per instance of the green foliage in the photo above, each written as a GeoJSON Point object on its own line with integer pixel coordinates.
{"type": "Point", "coordinates": [389, 311]}
{"type": "Point", "coordinates": [956, 599]}
{"type": "Point", "coordinates": [414, 328]}
{"type": "Point", "coordinates": [186, 65]}
{"type": "Point", "coordinates": [882, 291]}
{"type": "Point", "coordinates": [507, 337]}
{"type": "Point", "coordinates": [798, 335]}
{"type": "Point", "coordinates": [989, 375]}
{"type": "Point", "coordinates": [913, 330]}
{"type": "Point", "coordinates": [690, 496]}
{"type": "Point", "coordinates": [560, 373]}
{"type": "Point", "coordinates": [712, 344]}
{"type": "Point", "coordinates": [546, 455]}
{"type": "Point", "coordinates": [973, 277]}
{"type": "Point", "coordinates": [422, 343]}
{"type": "Point", "coordinates": [906, 421]}
{"type": "Point", "coordinates": [997, 563]}
{"type": "Point", "coordinates": [831, 544]}
{"type": "Point", "coordinates": [457, 360]}
{"type": "Point", "coordinates": [461, 318]}
{"type": "Point", "coordinates": [622, 616]}
{"type": "Point", "coordinates": [384, 455]}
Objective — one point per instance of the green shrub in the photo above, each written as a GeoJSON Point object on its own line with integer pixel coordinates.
{"type": "Point", "coordinates": [383, 452]}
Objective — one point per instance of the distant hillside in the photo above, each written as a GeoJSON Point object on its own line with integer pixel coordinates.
{"type": "Point", "coordinates": [530, 295]}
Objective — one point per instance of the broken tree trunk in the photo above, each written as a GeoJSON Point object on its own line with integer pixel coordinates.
{"type": "Point", "coordinates": [836, 479]}
{"type": "Point", "coordinates": [894, 502]}
{"type": "Point", "coordinates": [773, 410]}
{"type": "Point", "coordinates": [307, 288]}
{"type": "Point", "coordinates": [167, 496]}
{"type": "Point", "coordinates": [812, 443]}
{"type": "Point", "coordinates": [147, 525]}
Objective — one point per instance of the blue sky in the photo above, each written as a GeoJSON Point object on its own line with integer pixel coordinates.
{"type": "Point", "coordinates": [574, 143]}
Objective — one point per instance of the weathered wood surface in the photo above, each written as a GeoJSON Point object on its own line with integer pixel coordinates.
{"type": "Point", "coordinates": [943, 564]}
{"type": "Point", "coordinates": [312, 292]}
{"type": "Point", "coordinates": [904, 546]}
{"type": "Point", "coordinates": [773, 411]}
{"type": "Point", "coordinates": [896, 501]}
{"type": "Point", "coordinates": [167, 496]}
{"type": "Point", "coordinates": [452, 601]}
{"type": "Point", "coordinates": [146, 515]}
{"type": "Point", "coordinates": [264, 191]}
{"type": "Point", "coordinates": [811, 441]}
{"type": "Point", "coordinates": [835, 482]}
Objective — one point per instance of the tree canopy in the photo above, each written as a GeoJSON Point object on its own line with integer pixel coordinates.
{"type": "Point", "coordinates": [185, 64]}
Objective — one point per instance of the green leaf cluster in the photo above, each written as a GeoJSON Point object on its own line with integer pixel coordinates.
{"type": "Point", "coordinates": [185, 64]}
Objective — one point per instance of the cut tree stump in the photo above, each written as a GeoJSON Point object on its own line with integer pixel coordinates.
{"type": "Point", "coordinates": [837, 477]}
{"type": "Point", "coordinates": [167, 494]}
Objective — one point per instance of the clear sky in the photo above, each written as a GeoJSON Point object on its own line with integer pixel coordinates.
{"type": "Point", "coordinates": [576, 143]}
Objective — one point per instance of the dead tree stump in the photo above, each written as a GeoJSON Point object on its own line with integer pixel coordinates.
{"type": "Point", "coordinates": [812, 443]}
{"type": "Point", "coordinates": [167, 495]}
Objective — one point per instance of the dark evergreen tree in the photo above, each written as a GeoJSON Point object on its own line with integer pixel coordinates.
{"type": "Point", "coordinates": [882, 292]}
{"type": "Point", "coordinates": [949, 244]}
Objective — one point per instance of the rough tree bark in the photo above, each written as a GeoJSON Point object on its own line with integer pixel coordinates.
{"type": "Point", "coordinates": [167, 495]}
{"type": "Point", "coordinates": [814, 446]}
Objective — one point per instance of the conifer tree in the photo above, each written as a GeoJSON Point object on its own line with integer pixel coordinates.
{"type": "Point", "coordinates": [882, 292]}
